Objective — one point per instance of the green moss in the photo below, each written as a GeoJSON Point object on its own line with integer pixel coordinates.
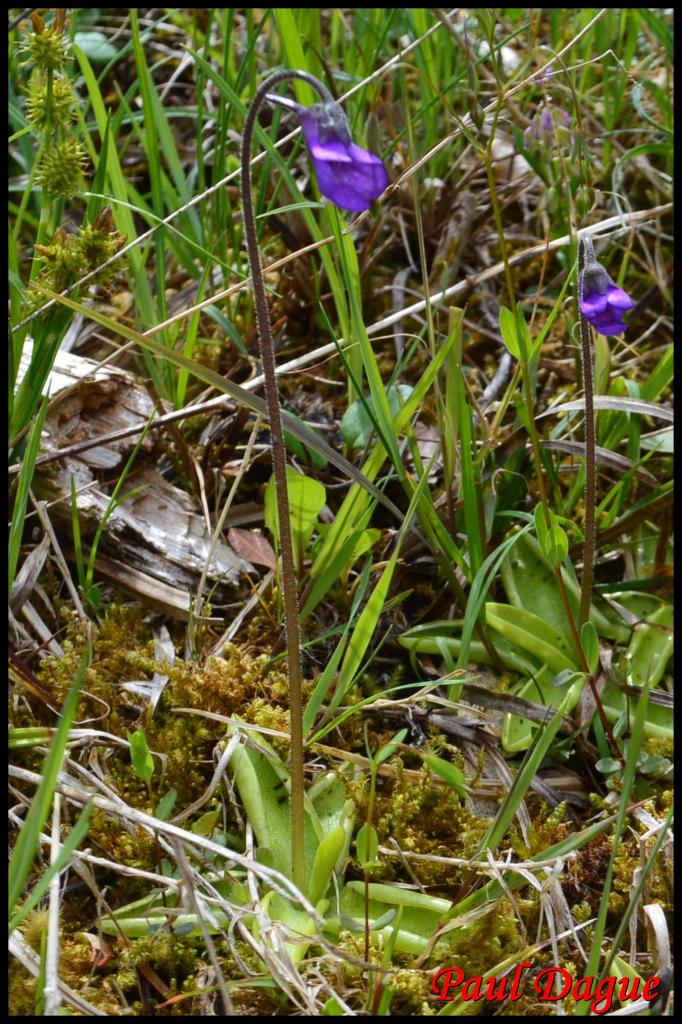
{"type": "Point", "coordinates": [425, 818]}
{"type": "Point", "coordinates": [480, 946]}
{"type": "Point", "coordinates": [172, 957]}
{"type": "Point", "coordinates": [581, 912]}
{"type": "Point", "coordinates": [224, 685]}
{"type": "Point", "coordinates": [419, 815]}
{"type": "Point", "coordinates": [76, 969]}
{"type": "Point", "coordinates": [123, 649]}
{"type": "Point", "coordinates": [412, 996]}
{"type": "Point", "coordinates": [34, 927]}
{"type": "Point", "coordinates": [21, 991]}
{"type": "Point", "coordinates": [662, 745]}
{"type": "Point", "coordinates": [545, 830]}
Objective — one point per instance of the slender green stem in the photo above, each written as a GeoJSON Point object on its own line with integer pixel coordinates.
{"type": "Point", "coordinates": [590, 460]}
{"type": "Point", "coordinates": [289, 579]}
{"type": "Point", "coordinates": [497, 214]}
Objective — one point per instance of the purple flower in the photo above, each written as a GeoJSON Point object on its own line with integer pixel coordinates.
{"type": "Point", "coordinates": [602, 302]}
{"type": "Point", "coordinates": [348, 175]}
{"type": "Point", "coordinates": [547, 122]}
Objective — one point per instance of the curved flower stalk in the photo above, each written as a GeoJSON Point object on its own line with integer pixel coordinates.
{"type": "Point", "coordinates": [350, 177]}
{"type": "Point", "coordinates": [602, 302]}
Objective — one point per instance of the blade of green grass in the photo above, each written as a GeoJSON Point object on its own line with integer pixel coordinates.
{"type": "Point", "coordinates": [16, 529]}
{"type": "Point", "coordinates": [26, 846]}
{"type": "Point", "coordinates": [118, 185]}
{"type": "Point", "coordinates": [354, 507]}
{"type": "Point", "coordinates": [48, 334]}
{"type": "Point", "coordinates": [326, 680]}
{"type": "Point", "coordinates": [369, 617]}
{"type": "Point", "coordinates": [294, 53]}
{"type": "Point", "coordinates": [525, 775]}
{"type": "Point", "coordinates": [71, 843]}
{"type": "Point", "coordinates": [628, 781]}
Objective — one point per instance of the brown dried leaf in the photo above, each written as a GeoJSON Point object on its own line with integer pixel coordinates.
{"type": "Point", "coordinates": [100, 951]}
{"type": "Point", "coordinates": [252, 546]}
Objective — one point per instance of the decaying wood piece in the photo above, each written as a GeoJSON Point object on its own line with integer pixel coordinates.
{"type": "Point", "coordinates": [89, 400]}
{"type": "Point", "coordinates": [156, 529]}
{"type": "Point", "coordinates": [27, 576]}
{"type": "Point", "coordinates": [157, 535]}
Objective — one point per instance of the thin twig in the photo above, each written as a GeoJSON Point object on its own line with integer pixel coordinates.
{"type": "Point", "coordinates": [197, 612]}
{"type": "Point", "coordinates": [51, 993]}
{"type": "Point", "coordinates": [195, 908]}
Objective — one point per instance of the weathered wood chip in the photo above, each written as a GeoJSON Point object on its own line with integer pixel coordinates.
{"type": "Point", "coordinates": [27, 577]}
{"type": "Point", "coordinates": [157, 532]}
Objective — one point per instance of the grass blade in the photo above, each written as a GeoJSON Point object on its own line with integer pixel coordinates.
{"type": "Point", "coordinates": [26, 846]}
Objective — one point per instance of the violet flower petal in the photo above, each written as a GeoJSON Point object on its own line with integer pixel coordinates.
{"type": "Point", "coordinates": [334, 151]}
{"type": "Point", "coordinates": [593, 304]}
{"type": "Point", "coordinates": [350, 188]}
{"type": "Point", "coordinates": [609, 325]}
{"type": "Point", "coordinates": [618, 298]}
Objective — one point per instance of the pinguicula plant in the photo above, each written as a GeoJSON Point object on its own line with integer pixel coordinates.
{"type": "Point", "coordinates": [351, 178]}
{"type": "Point", "coordinates": [602, 302]}
{"type": "Point", "coordinates": [602, 305]}
{"type": "Point", "coordinates": [548, 122]}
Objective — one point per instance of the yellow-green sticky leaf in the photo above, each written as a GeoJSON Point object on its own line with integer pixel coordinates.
{"type": "Point", "coordinates": [142, 760]}
{"type": "Point", "coordinates": [367, 845]}
{"type": "Point", "coordinates": [447, 771]}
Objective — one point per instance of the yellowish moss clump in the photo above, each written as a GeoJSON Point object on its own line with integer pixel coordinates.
{"type": "Point", "coordinates": [21, 991]}
{"type": "Point", "coordinates": [76, 969]}
{"type": "Point", "coordinates": [123, 649]}
{"type": "Point", "coordinates": [410, 986]}
{"type": "Point", "coordinates": [662, 745]}
{"type": "Point", "coordinates": [544, 831]}
{"type": "Point", "coordinates": [261, 712]}
{"type": "Point", "coordinates": [185, 743]}
{"type": "Point", "coordinates": [223, 685]}
{"type": "Point", "coordinates": [480, 946]}
{"type": "Point", "coordinates": [581, 912]}
{"type": "Point", "coordinates": [625, 864]}
{"type": "Point", "coordinates": [425, 818]}
{"type": "Point", "coordinates": [34, 927]}
{"type": "Point", "coordinates": [134, 848]}
{"type": "Point", "coordinates": [172, 957]}
{"type": "Point", "coordinates": [412, 996]}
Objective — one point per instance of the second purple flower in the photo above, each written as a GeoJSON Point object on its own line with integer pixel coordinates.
{"type": "Point", "coordinates": [602, 302]}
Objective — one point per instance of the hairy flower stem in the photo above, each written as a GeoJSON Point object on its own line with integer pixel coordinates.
{"type": "Point", "coordinates": [535, 440]}
{"type": "Point", "coordinates": [590, 462]}
{"type": "Point", "coordinates": [289, 579]}
{"type": "Point", "coordinates": [557, 568]}
{"type": "Point", "coordinates": [525, 373]}
{"type": "Point", "coordinates": [590, 496]}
